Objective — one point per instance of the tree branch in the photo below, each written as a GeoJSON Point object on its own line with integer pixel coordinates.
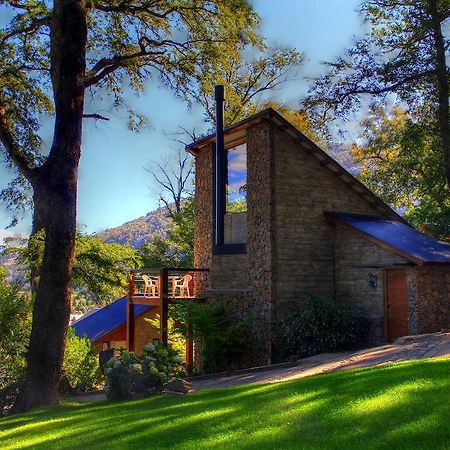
{"type": "Point", "coordinates": [95, 116]}
{"type": "Point", "coordinates": [34, 26]}
{"type": "Point", "coordinates": [23, 162]}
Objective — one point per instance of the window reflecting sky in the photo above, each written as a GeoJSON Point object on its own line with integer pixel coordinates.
{"type": "Point", "coordinates": [237, 174]}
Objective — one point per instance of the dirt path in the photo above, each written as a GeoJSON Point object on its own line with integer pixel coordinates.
{"type": "Point", "coordinates": [410, 347]}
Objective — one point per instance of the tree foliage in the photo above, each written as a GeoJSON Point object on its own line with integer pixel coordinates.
{"type": "Point", "coordinates": [246, 81]}
{"type": "Point", "coordinates": [81, 370]}
{"type": "Point", "coordinates": [404, 54]}
{"type": "Point", "coordinates": [99, 271]}
{"type": "Point", "coordinates": [177, 248]}
{"type": "Point", "coordinates": [399, 159]}
{"type": "Point", "coordinates": [15, 324]}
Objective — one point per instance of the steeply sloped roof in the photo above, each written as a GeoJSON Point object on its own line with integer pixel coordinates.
{"type": "Point", "coordinates": [106, 319]}
{"type": "Point", "coordinates": [397, 237]}
{"type": "Point", "coordinates": [311, 148]}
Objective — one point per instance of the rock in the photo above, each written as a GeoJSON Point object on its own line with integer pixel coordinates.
{"type": "Point", "coordinates": [178, 386]}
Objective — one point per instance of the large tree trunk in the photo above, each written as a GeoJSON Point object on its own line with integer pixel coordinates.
{"type": "Point", "coordinates": [55, 194]}
{"type": "Point", "coordinates": [442, 86]}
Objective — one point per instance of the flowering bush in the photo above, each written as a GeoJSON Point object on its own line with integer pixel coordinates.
{"type": "Point", "coordinates": [129, 376]}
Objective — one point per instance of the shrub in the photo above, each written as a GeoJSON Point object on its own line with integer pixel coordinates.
{"type": "Point", "coordinates": [15, 327]}
{"type": "Point", "coordinates": [319, 326]}
{"type": "Point", "coordinates": [219, 337]}
{"type": "Point", "coordinates": [81, 371]}
{"type": "Point", "coordinates": [129, 376]}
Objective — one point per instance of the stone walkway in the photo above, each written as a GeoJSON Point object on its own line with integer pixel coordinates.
{"type": "Point", "coordinates": [409, 347]}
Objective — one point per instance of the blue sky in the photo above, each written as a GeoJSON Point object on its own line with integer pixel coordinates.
{"type": "Point", "coordinates": [113, 185]}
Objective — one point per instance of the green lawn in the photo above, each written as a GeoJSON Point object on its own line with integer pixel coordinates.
{"type": "Point", "coordinates": [405, 405]}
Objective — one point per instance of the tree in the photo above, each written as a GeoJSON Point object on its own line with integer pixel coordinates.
{"type": "Point", "coordinates": [100, 269]}
{"type": "Point", "coordinates": [172, 177]}
{"type": "Point", "coordinates": [99, 272]}
{"type": "Point", "coordinates": [245, 83]}
{"type": "Point", "coordinates": [399, 159]}
{"type": "Point", "coordinates": [177, 248]}
{"type": "Point", "coordinates": [49, 56]}
{"type": "Point", "coordinates": [404, 54]}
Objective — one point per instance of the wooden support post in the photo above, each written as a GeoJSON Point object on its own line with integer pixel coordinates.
{"type": "Point", "coordinates": [164, 297]}
{"type": "Point", "coordinates": [131, 326]}
{"type": "Point", "coordinates": [130, 313]}
{"type": "Point", "coordinates": [189, 350]}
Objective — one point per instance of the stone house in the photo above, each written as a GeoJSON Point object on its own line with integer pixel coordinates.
{"type": "Point", "coordinates": [279, 220]}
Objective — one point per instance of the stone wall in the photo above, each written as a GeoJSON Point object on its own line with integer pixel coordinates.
{"type": "Point", "coordinates": [262, 272]}
{"type": "Point", "coordinates": [304, 189]}
{"type": "Point", "coordinates": [352, 282]}
{"type": "Point", "coordinates": [432, 286]}
{"type": "Point", "coordinates": [229, 272]}
{"type": "Point", "coordinates": [204, 198]}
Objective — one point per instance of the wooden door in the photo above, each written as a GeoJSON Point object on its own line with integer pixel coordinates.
{"type": "Point", "coordinates": [396, 304]}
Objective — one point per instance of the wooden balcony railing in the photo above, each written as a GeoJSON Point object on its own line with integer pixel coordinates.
{"type": "Point", "coordinates": [147, 286]}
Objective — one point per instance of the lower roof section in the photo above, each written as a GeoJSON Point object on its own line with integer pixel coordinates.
{"type": "Point", "coordinates": [106, 319]}
{"type": "Point", "coordinates": [397, 237]}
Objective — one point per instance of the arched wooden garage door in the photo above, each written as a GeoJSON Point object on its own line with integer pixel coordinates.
{"type": "Point", "coordinates": [396, 303]}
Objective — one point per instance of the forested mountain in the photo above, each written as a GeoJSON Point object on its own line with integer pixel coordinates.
{"type": "Point", "coordinates": [139, 231]}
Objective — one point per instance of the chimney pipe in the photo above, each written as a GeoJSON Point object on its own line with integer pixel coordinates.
{"type": "Point", "coordinates": [221, 168]}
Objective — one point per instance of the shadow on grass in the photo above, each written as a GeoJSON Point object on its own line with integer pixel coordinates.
{"type": "Point", "coordinates": [403, 405]}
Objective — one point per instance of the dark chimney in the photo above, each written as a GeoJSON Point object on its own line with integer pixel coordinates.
{"type": "Point", "coordinates": [221, 167]}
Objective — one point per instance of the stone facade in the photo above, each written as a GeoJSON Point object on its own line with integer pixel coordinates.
{"type": "Point", "coordinates": [432, 285]}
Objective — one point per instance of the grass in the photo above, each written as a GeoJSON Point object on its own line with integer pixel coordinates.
{"type": "Point", "coordinates": [404, 405]}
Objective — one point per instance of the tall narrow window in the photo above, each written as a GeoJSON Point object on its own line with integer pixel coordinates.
{"type": "Point", "coordinates": [236, 189]}
{"type": "Point", "coordinates": [235, 220]}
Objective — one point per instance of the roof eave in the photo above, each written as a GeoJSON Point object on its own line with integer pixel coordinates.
{"type": "Point", "coordinates": [376, 241]}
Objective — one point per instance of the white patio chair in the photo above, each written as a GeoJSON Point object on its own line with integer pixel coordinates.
{"type": "Point", "coordinates": [182, 286]}
{"type": "Point", "coordinates": [150, 286]}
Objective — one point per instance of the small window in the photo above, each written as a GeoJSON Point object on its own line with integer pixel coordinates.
{"type": "Point", "coordinates": [236, 189]}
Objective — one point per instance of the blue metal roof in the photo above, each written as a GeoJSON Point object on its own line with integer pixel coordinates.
{"type": "Point", "coordinates": [106, 319]}
{"type": "Point", "coordinates": [399, 236]}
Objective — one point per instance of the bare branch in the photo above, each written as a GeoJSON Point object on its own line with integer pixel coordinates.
{"type": "Point", "coordinates": [173, 182]}
{"type": "Point", "coordinates": [95, 116]}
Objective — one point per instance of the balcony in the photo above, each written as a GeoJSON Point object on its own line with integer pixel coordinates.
{"type": "Point", "coordinates": [151, 286]}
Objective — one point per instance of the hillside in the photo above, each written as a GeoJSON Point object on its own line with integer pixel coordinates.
{"type": "Point", "coordinates": [138, 231]}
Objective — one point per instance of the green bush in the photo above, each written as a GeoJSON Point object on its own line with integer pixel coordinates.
{"type": "Point", "coordinates": [219, 337]}
{"type": "Point", "coordinates": [81, 371]}
{"type": "Point", "coordinates": [15, 328]}
{"type": "Point", "coordinates": [129, 376]}
{"type": "Point", "coordinates": [319, 326]}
